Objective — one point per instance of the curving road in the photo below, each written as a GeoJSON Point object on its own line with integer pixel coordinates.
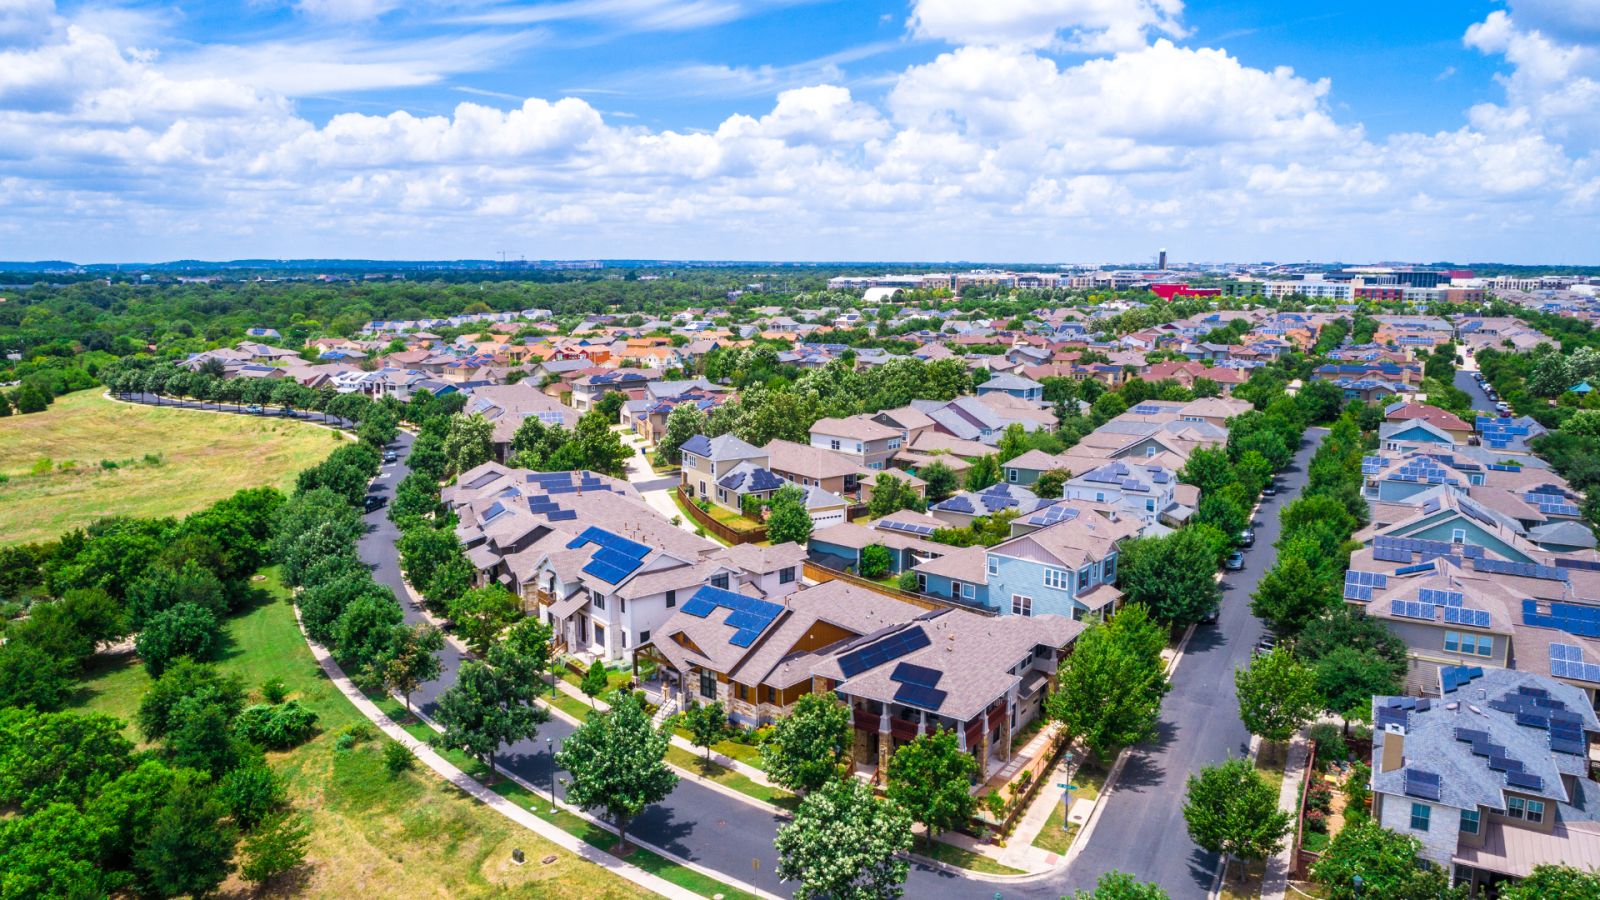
{"type": "Point", "coordinates": [1141, 829]}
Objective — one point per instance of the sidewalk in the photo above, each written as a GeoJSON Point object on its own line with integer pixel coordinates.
{"type": "Point", "coordinates": [1275, 882]}
{"type": "Point", "coordinates": [1019, 852]}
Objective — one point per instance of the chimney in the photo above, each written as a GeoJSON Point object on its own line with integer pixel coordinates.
{"type": "Point", "coordinates": [1394, 748]}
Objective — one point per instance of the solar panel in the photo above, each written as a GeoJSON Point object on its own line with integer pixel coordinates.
{"type": "Point", "coordinates": [884, 650]}
{"type": "Point", "coordinates": [563, 515]}
{"type": "Point", "coordinates": [1525, 780]}
{"type": "Point", "coordinates": [1471, 734]}
{"type": "Point", "coordinates": [744, 637]}
{"type": "Point", "coordinates": [1504, 764]}
{"type": "Point", "coordinates": [1410, 609]}
{"type": "Point", "coordinates": [1475, 618]}
{"type": "Point", "coordinates": [1388, 554]}
{"type": "Point", "coordinates": [1566, 745]}
{"type": "Point", "coordinates": [1422, 784]}
{"type": "Point", "coordinates": [1358, 593]}
{"type": "Point", "coordinates": [699, 607]}
{"type": "Point", "coordinates": [607, 573]}
{"type": "Point", "coordinates": [911, 673]}
{"type": "Point", "coordinates": [923, 697]}
{"type": "Point", "coordinates": [1440, 598]}
{"type": "Point", "coordinates": [905, 527]}
{"type": "Point", "coordinates": [1366, 579]}
{"type": "Point", "coordinates": [1389, 715]}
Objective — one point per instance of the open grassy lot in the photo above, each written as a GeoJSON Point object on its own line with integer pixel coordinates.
{"type": "Point", "coordinates": [203, 457]}
{"type": "Point", "coordinates": [373, 835]}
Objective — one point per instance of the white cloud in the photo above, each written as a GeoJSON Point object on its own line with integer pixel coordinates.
{"type": "Point", "coordinates": [346, 10]}
{"type": "Point", "coordinates": [991, 149]}
{"type": "Point", "coordinates": [1089, 25]}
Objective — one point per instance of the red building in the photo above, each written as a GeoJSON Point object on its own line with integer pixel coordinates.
{"type": "Point", "coordinates": [1168, 291]}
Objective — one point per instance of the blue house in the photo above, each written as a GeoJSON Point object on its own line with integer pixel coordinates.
{"type": "Point", "coordinates": [1015, 385]}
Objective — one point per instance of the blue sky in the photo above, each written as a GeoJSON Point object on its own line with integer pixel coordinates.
{"type": "Point", "coordinates": [1039, 130]}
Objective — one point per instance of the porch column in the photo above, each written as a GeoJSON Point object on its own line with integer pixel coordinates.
{"type": "Point", "coordinates": [885, 744]}
{"type": "Point", "coordinates": [983, 753]}
{"type": "Point", "coordinates": [922, 723]}
{"type": "Point", "coordinates": [1005, 730]}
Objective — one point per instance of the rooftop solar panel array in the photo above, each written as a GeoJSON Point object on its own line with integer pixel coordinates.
{"type": "Point", "coordinates": [904, 527]}
{"type": "Point", "coordinates": [887, 649]}
{"type": "Point", "coordinates": [1474, 618]}
{"type": "Point", "coordinates": [1050, 515]}
{"type": "Point", "coordinates": [1440, 598]}
{"type": "Point", "coordinates": [1412, 570]}
{"type": "Point", "coordinates": [748, 616]}
{"type": "Point", "coordinates": [1566, 661]}
{"type": "Point", "coordinates": [1411, 609]}
{"type": "Point", "coordinates": [1422, 784]}
{"type": "Point", "coordinates": [1525, 780]}
{"type": "Point", "coordinates": [1452, 678]}
{"type": "Point", "coordinates": [1523, 570]}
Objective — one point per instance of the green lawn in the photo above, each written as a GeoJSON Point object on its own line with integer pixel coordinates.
{"type": "Point", "coordinates": [372, 835]}
{"type": "Point", "coordinates": [698, 764]}
{"type": "Point", "coordinates": [950, 854]}
{"type": "Point", "coordinates": [748, 754]}
{"type": "Point", "coordinates": [1091, 780]}
{"type": "Point", "coordinates": [204, 457]}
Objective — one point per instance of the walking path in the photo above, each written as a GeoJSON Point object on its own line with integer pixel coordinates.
{"type": "Point", "coordinates": [1275, 883]}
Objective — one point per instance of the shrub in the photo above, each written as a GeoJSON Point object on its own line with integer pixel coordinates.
{"type": "Point", "coordinates": [1330, 743]}
{"type": "Point", "coordinates": [108, 464]}
{"type": "Point", "coordinates": [153, 459]}
{"type": "Point", "coordinates": [277, 727]}
{"type": "Point", "coordinates": [1317, 821]}
{"type": "Point", "coordinates": [908, 581]}
{"type": "Point", "coordinates": [396, 758]}
{"type": "Point", "coordinates": [42, 466]}
{"type": "Point", "coordinates": [273, 690]}
{"type": "Point", "coordinates": [251, 793]}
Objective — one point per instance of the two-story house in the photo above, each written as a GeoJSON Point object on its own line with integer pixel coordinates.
{"type": "Point", "coordinates": [1018, 386]}
{"type": "Point", "coordinates": [1148, 493]}
{"type": "Point", "coordinates": [706, 461]}
{"type": "Point", "coordinates": [868, 443]}
{"type": "Point", "coordinates": [1492, 779]}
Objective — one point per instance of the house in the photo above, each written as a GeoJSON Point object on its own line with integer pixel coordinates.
{"type": "Point", "coordinates": [588, 390]}
{"type": "Point", "coordinates": [1492, 779]}
{"type": "Point", "coordinates": [746, 479]}
{"type": "Point", "coordinates": [1066, 568]}
{"type": "Point", "coordinates": [1015, 385]}
{"type": "Point", "coordinates": [959, 510]}
{"type": "Point", "coordinates": [1145, 493]}
{"type": "Point", "coordinates": [1446, 421]}
{"type": "Point", "coordinates": [706, 461]}
{"type": "Point", "coordinates": [507, 406]}
{"type": "Point", "coordinates": [868, 443]}
{"type": "Point", "coordinates": [1413, 434]}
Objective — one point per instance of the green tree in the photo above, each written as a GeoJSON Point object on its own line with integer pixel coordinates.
{"type": "Point", "coordinates": [58, 757]}
{"type": "Point", "coordinates": [183, 630]}
{"type": "Point", "coordinates": [1387, 863]}
{"type": "Point", "coordinates": [891, 494]}
{"type": "Point", "coordinates": [807, 746]}
{"type": "Point", "coordinates": [424, 550]}
{"type": "Point", "coordinates": [277, 847]}
{"type": "Point", "coordinates": [1112, 683]}
{"type": "Point", "coordinates": [30, 676]}
{"type": "Point", "coordinates": [1277, 695]}
{"type": "Point", "coordinates": [930, 778]}
{"type": "Point", "coordinates": [616, 764]}
{"type": "Point", "coordinates": [1292, 594]}
{"type": "Point", "coordinates": [876, 560]}
{"type": "Point", "coordinates": [940, 480]}
{"type": "Point", "coordinates": [1348, 626]}
{"type": "Point", "coordinates": [252, 793]}
{"type": "Point", "coordinates": [1172, 576]}
{"type": "Point", "coordinates": [594, 681]}
{"type": "Point", "coordinates": [1348, 678]}
{"type": "Point", "coordinates": [1116, 885]}
{"type": "Point", "coordinates": [685, 421]}
{"type": "Point", "coordinates": [413, 661]}
{"type": "Point", "coordinates": [707, 723]}
{"type": "Point", "coordinates": [186, 680]}
{"type": "Point", "coordinates": [1051, 484]}
{"type": "Point", "coordinates": [189, 848]}
{"type": "Point", "coordinates": [486, 709]}
{"type": "Point", "coordinates": [468, 443]}
{"type": "Point", "coordinates": [482, 613]}
{"type": "Point", "coordinates": [845, 843]}
{"type": "Point", "coordinates": [51, 854]}
{"type": "Point", "coordinates": [1551, 882]}
{"type": "Point", "coordinates": [366, 630]}
{"type": "Point", "coordinates": [1232, 810]}
{"type": "Point", "coordinates": [985, 472]}
{"type": "Point", "coordinates": [1013, 442]}
{"type": "Point", "coordinates": [788, 520]}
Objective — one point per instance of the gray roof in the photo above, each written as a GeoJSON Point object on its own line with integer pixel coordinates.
{"type": "Point", "coordinates": [1485, 706]}
{"type": "Point", "coordinates": [720, 448]}
{"type": "Point", "coordinates": [1564, 533]}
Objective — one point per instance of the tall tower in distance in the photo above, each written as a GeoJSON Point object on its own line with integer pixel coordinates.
{"type": "Point", "coordinates": [1161, 260]}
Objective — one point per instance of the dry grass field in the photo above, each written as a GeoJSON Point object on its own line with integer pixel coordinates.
{"type": "Point", "coordinates": [55, 480]}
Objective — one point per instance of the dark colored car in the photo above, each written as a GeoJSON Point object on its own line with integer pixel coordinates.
{"type": "Point", "coordinates": [373, 502]}
{"type": "Point", "coordinates": [1210, 618]}
{"type": "Point", "coordinates": [1271, 490]}
{"type": "Point", "coordinates": [390, 456]}
{"type": "Point", "coordinates": [1247, 537]}
{"type": "Point", "coordinates": [1235, 561]}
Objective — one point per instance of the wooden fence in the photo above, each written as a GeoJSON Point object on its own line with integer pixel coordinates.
{"type": "Point", "coordinates": [708, 522]}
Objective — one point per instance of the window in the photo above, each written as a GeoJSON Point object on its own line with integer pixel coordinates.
{"type": "Point", "coordinates": [1099, 497]}
{"type": "Point", "coordinates": [894, 443]}
{"type": "Point", "coordinates": [994, 566]}
{"type": "Point", "coordinates": [1458, 535]}
{"type": "Point", "coordinates": [598, 599]}
{"type": "Point", "coordinates": [720, 580]}
{"type": "Point", "coordinates": [969, 592]}
{"type": "Point", "coordinates": [672, 599]}
{"type": "Point", "coordinates": [1472, 644]}
{"type": "Point", "coordinates": [1110, 567]}
{"type": "Point", "coordinates": [1058, 579]}
{"type": "Point", "coordinates": [708, 684]}
{"type": "Point", "coordinates": [1149, 505]}
{"type": "Point", "coordinates": [876, 465]}
{"type": "Point", "coordinates": [1021, 606]}
{"type": "Point", "coordinates": [858, 446]}
{"type": "Point", "coordinates": [833, 445]}
{"type": "Point", "coordinates": [1150, 451]}
{"type": "Point", "coordinates": [786, 576]}
{"type": "Point", "coordinates": [599, 634]}
{"type": "Point", "coordinates": [1515, 807]}
{"type": "Point", "coordinates": [1085, 576]}
{"type": "Point", "coordinates": [1535, 811]}
{"type": "Point", "coordinates": [1469, 821]}
{"type": "Point", "coordinates": [1419, 816]}
{"type": "Point", "coordinates": [1011, 475]}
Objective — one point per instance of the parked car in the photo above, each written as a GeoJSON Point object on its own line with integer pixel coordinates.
{"type": "Point", "coordinates": [1266, 645]}
{"type": "Point", "coordinates": [373, 501]}
{"type": "Point", "coordinates": [1271, 490]}
{"type": "Point", "coordinates": [1235, 561]}
{"type": "Point", "coordinates": [254, 409]}
{"type": "Point", "coordinates": [1210, 618]}
{"type": "Point", "coordinates": [390, 456]}
{"type": "Point", "coordinates": [1247, 537]}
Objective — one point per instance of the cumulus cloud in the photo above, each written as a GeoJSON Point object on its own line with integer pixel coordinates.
{"type": "Point", "coordinates": [1088, 25]}
{"type": "Point", "coordinates": [993, 148]}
